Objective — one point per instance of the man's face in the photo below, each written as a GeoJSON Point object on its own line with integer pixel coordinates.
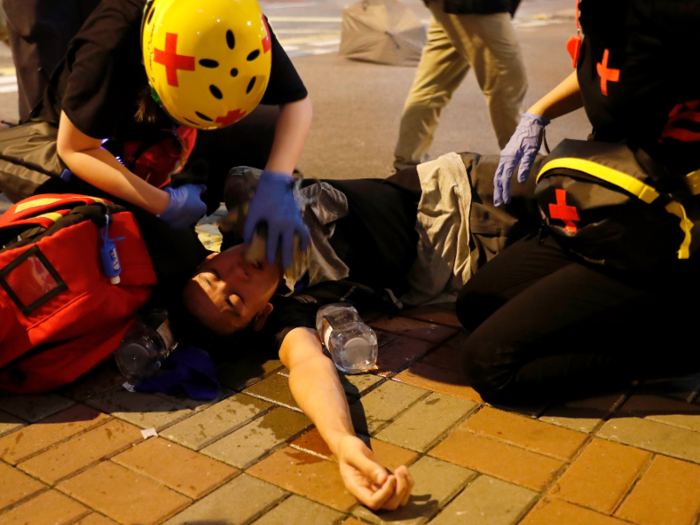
{"type": "Point", "coordinates": [227, 292]}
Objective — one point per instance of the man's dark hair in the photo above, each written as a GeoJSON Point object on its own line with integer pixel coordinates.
{"type": "Point", "coordinates": [190, 331]}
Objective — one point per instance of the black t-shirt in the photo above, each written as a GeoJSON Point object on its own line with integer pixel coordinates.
{"type": "Point", "coordinates": [637, 73]}
{"type": "Point", "coordinates": [377, 240]}
{"type": "Point", "coordinates": [175, 255]}
{"type": "Point", "coordinates": [99, 83]}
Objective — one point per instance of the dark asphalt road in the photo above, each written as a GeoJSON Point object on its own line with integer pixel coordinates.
{"type": "Point", "coordinates": [357, 106]}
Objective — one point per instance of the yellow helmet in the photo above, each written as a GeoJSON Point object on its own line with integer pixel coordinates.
{"type": "Point", "coordinates": [208, 61]}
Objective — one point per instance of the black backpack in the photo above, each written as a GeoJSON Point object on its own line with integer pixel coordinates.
{"type": "Point", "coordinates": [616, 207]}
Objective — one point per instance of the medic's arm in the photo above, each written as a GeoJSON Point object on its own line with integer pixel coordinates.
{"type": "Point", "coordinates": [563, 99]}
{"type": "Point", "coordinates": [85, 157]}
{"type": "Point", "coordinates": [291, 131]}
{"type": "Point", "coordinates": [316, 387]}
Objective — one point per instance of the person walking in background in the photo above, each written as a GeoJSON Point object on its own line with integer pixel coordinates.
{"type": "Point", "coordinates": [463, 34]}
{"type": "Point", "coordinates": [39, 33]}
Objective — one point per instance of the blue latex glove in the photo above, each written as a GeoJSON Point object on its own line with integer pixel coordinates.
{"type": "Point", "coordinates": [522, 147]}
{"type": "Point", "coordinates": [274, 204]}
{"type": "Point", "coordinates": [185, 207]}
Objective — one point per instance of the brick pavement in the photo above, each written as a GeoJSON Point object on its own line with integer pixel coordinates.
{"type": "Point", "coordinates": [78, 456]}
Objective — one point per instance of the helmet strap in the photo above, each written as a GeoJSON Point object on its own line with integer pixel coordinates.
{"type": "Point", "coordinates": [155, 97]}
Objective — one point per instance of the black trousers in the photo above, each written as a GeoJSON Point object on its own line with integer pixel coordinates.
{"type": "Point", "coordinates": [545, 325]}
{"type": "Point", "coordinates": [40, 31]}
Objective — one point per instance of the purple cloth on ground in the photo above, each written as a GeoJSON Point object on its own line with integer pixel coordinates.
{"type": "Point", "coordinates": [187, 370]}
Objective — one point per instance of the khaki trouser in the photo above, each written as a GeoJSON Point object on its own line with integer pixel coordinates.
{"type": "Point", "coordinates": [488, 44]}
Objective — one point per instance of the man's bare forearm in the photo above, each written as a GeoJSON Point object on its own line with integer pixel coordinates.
{"type": "Point", "coordinates": [316, 386]}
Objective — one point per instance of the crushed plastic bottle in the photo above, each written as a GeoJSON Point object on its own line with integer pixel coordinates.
{"type": "Point", "coordinates": [145, 346]}
{"type": "Point", "coordinates": [351, 343]}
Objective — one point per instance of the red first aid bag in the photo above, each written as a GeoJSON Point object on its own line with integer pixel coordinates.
{"type": "Point", "coordinates": [60, 315]}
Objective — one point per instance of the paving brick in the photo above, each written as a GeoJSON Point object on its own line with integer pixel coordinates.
{"type": "Point", "coordinates": [434, 314]}
{"type": "Point", "coordinates": [436, 483]}
{"type": "Point", "coordinates": [414, 329]}
{"type": "Point", "coordinates": [82, 451]}
{"type": "Point", "coordinates": [353, 521]}
{"type": "Point", "coordinates": [487, 501]}
{"type": "Point", "coordinates": [650, 435]}
{"type": "Point", "coordinates": [387, 454]}
{"type": "Point", "coordinates": [15, 486]}
{"type": "Point", "coordinates": [143, 410]}
{"type": "Point", "coordinates": [448, 382]}
{"type": "Point", "coordinates": [196, 404]}
{"type": "Point", "coordinates": [583, 415]}
{"type": "Point", "coordinates": [557, 512]}
{"type": "Point", "coordinates": [9, 423]}
{"type": "Point", "coordinates": [177, 467]}
{"type": "Point", "coordinates": [237, 502]}
{"type": "Point", "coordinates": [95, 382]}
{"type": "Point", "coordinates": [307, 475]}
{"type": "Point", "coordinates": [664, 410]}
{"type": "Point", "coordinates": [458, 341]}
{"type": "Point", "coordinates": [49, 508]}
{"type": "Point", "coordinates": [601, 476]}
{"type": "Point", "coordinates": [245, 372]}
{"type": "Point", "coordinates": [499, 460]}
{"type": "Point", "coordinates": [215, 422]}
{"type": "Point", "coordinates": [312, 441]}
{"type": "Point", "coordinates": [274, 389]}
{"type": "Point", "coordinates": [299, 511]}
{"type": "Point", "coordinates": [35, 438]}
{"type": "Point", "coordinates": [374, 410]}
{"type": "Point", "coordinates": [424, 422]}
{"type": "Point", "coordinates": [446, 357]}
{"type": "Point", "coordinates": [96, 519]}
{"type": "Point", "coordinates": [123, 495]}
{"type": "Point", "coordinates": [668, 492]}
{"type": "Point", "coordinates": [33, 408]}
{"type": "Point", "coordinates": [683, 388]}
{"type": "Point", "coordinates": [557, 442]}
{"type": "Point", "coordinates": [357, 385]}
{"type": "Point", "coordinates": [395, 352]}
{"type": "Point", "coordinates": [246, 445]}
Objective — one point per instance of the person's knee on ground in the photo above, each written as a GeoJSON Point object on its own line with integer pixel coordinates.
{"type": "Point", "coordinates": [486, 368]}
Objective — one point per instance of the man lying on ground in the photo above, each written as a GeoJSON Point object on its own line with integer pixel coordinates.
{"type": "Point", "coordinates": [436, 222]}
{"type": "Point", "coordinates": [421, 234]}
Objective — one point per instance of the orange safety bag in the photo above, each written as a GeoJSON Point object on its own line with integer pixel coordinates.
{"type": "Point", "coordinates": [60, 315]}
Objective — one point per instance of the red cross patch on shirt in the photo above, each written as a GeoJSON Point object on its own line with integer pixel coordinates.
{"type": "Point", "coordinates": [606, 74]}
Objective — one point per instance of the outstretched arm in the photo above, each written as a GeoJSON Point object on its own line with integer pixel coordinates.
{"type": "Point", "coordinates": [316, 387]}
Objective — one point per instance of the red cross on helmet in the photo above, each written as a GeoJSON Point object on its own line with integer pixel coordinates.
{"type": "Point", "coordinates": [208, 61]}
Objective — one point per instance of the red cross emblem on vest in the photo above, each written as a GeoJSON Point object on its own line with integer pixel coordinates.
{"type": "Point", "coordinates": [561, 211]}
{"type": "Point", "coordinates": [231, 117]}
{"type": "Point", "coordinates": [606, 75]}
{"type": "Point", "coordinates": [171, 60]}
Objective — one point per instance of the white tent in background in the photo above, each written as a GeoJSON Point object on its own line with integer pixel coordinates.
{"type": "Point", "coordinates": [382, 31]}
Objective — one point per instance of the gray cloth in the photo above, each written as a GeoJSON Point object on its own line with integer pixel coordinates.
{"type": "Point", "coordinates": [443, 262]}
{"type": "Point", "coordinates": [326, 205]}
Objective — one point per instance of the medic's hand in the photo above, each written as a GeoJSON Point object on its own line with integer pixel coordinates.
{"type": "Point", "coordinates": [368, 481]}
{"type": "Point", "coordinates": [522, 147]}
{"type": "Point", "coordinates": [274, 204]}
{"type": "Point", "coordinates": [185, 207]}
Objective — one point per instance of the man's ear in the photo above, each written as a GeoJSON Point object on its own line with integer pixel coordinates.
{"type": "Point", "coordinates": [262, 316]}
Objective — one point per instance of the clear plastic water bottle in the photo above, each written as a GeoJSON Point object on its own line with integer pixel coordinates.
{"type": "Point", "coordinates": [145, 346]}
{"type": "Point", "coordinates": [351, 343]}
